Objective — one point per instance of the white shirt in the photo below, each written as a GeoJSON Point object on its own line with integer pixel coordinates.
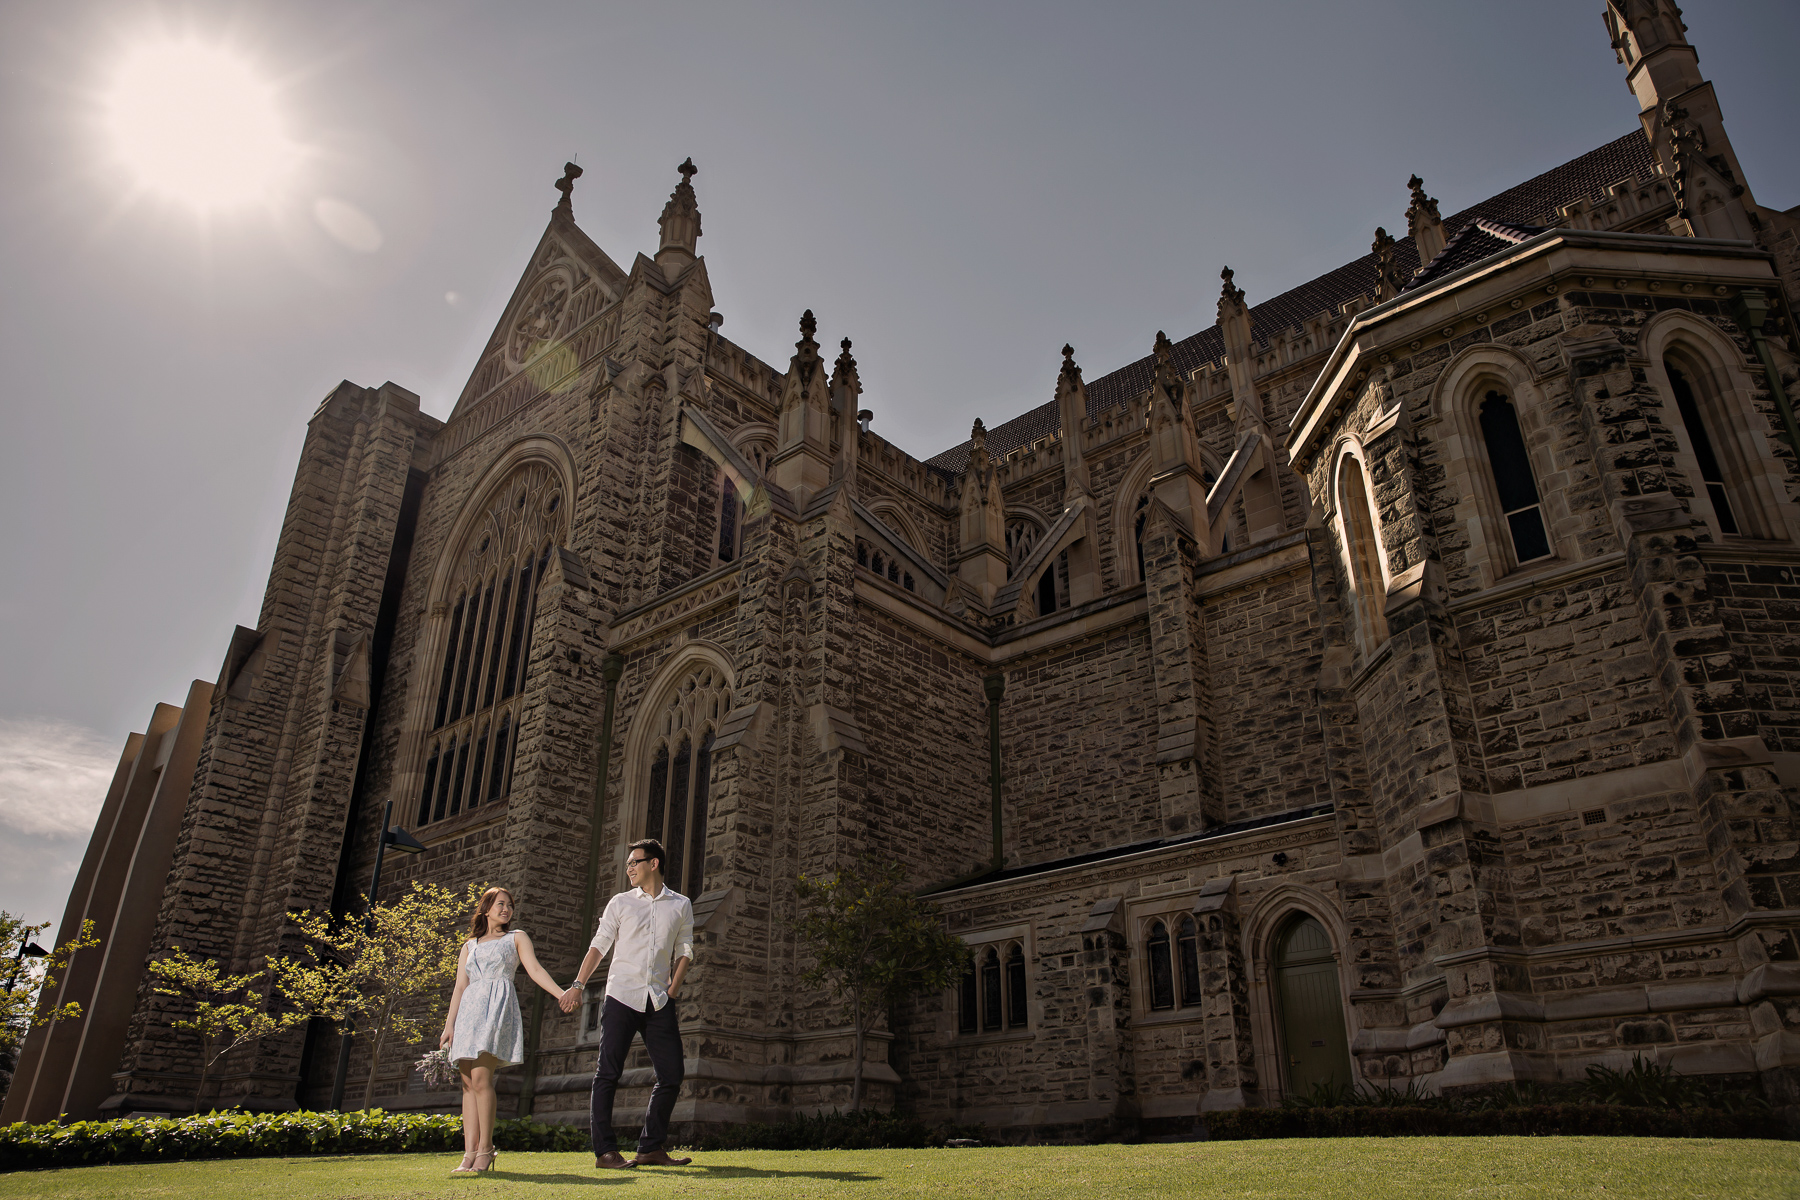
{"type": "Point", "coordinates": [646, 934]}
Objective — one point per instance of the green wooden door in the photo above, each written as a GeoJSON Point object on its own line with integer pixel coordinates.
{"type": "Point", "coordinates": [1312, 1013]}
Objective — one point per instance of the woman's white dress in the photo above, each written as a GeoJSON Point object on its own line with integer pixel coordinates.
{"type": "Point", "coordinates": [489, 1032]}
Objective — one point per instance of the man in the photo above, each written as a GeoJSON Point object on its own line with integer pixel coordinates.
{"type": "Point", "coordinates": [650, 931]}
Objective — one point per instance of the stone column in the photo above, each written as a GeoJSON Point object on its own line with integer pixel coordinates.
{"type": "Point", "coordinates": [1231, 1079]}
{"type": "Point", "coordinates": [1112, 1070]}
{"type": "Point", "coordinates": [1189, 796]}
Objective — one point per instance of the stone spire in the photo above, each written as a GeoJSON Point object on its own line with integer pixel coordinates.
{"type": "Point", "coordinates": [1423, 222]}
{"type": "Point", "coordinates": [1681, 117]}
{"type": "Point", "coordinates": [680, 221]}
{"type": "Point", "coordinates": [565, 207]}
{"type": "Point", "coordinates": [846, 389]}
{"type": "Point", "coordinates": [1388, 280]}
{"type": "Point", "coordinates": [1071, 404]}
{"type": "Point", "coordinates": [1174, 450]}
{"type": "Point", "coordinates": [981, 561]}
{"type": "Point", "coordinates": [802, 462]}
{"type": "Point", "coordinates": [1240, 352]}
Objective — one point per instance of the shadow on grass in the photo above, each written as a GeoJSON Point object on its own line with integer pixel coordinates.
{"type": "Point", "coordinates": [694, 1172]}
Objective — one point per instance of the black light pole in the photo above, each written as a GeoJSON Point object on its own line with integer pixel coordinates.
{"type": "Point", "coordinates": [27, 949]}
{"type": "Point", "coordinates": [403, 843]}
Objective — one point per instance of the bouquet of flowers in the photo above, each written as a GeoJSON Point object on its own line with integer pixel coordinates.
{"type": "Point", "coordinates": [436, 1069]}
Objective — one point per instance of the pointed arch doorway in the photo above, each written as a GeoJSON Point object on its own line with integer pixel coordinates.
{"type": "Point", "coordinates": [1315, 1050]}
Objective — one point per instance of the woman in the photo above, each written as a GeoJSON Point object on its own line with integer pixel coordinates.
{"type": "Point", "coordinates": [482, 1028]}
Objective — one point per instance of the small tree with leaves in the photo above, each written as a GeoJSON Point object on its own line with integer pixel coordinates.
{"type": "Point", "coordinates": [229, 1010]}
{"type": "Point", "coordinates": [873, 944]}
{"type": "Point", "coordinates": [385, 975]}
{"type": "Point", "coordinates": [28, 978]}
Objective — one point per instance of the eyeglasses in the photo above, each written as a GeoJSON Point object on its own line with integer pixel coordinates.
{"type": "Point", "coordinates": [635, 862]}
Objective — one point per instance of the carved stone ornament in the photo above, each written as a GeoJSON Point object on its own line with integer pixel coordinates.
{"type": "Point", "coordinates": [539, 318]}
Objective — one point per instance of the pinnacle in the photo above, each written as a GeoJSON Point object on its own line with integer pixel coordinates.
{"type": "Point", "coordinates": [688, 170]}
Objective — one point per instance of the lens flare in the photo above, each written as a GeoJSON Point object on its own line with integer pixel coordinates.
{"type": "Point", "coordinates": [198, 125]}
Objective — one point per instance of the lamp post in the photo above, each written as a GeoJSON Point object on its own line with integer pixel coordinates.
{"type": "Point", "coordinates": [27, 949]}
{"type": "Point", "coordinates": [403, 843]}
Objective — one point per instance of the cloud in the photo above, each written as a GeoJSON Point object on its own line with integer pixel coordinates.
{"type": "Point", "coordinates": [53, 777]}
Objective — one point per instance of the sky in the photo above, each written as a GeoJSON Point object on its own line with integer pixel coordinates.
{"type": "Point", "coordinates": [958, 187]}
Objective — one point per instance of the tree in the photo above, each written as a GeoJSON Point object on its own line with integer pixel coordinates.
{"type": "Point", "coordinates": [28, 978]}
{"type": "Point", "coordinates": [386, 975]}
{"type": "Point", "coordinates": [223, 1023]}
{"type": "Point", "coordinates": [873, 944]}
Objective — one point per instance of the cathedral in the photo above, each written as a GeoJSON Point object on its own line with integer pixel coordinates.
{"type": "Point", "coordinates": [1396, 682]}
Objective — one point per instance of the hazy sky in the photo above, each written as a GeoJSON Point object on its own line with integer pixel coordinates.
{"type": "Point", "coordinates": [958, 187]}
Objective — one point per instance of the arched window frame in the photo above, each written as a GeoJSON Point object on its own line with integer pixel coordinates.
{"type": "Point", "coordinates": [681, 712]}
{"type": "Point", "coordinates": [1363, 552]}
{"type": "Point", "coordinates": [1131, 499]}
{"type": "Point", "coordinates": [1458, 397]}
{"type": "Point", "coordinates": [1725, 394]}
{"type": "Point", "coordinates": [993, 994]}
{"type": "Point", "coordinates": [1171, 958]}
{"type": "Point", "coordinates": [464, 569]}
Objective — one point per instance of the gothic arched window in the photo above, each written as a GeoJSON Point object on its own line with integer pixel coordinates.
{"type": "Point", "coordinates": [1712, 475]}
{"type": "Point", "coordinates": [1513, 480]}
{"type": "Point", "coordinates": [731, 521]}
{"type": "Point", "coordinates": [990, 990]}
{"type": "Point", "coordinates": [675, 790]}
{"type": "Point", "coordinates": [1368, 585]}
{"type": "Point", "coordinates": [1016, 1007]}
{"type": "Point", "coordinates": [1187, 947]}
{"type": "Point", "coordinates": [1162, 979]}
{"type": "Point", "coordinates": [487, 643]}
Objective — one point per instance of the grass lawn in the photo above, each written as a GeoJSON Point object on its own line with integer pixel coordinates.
{"type": "Point", "coordinates": [1357, 1169]}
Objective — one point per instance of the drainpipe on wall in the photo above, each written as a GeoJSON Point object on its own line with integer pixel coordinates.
{"type": "Point", "coordinates": [611, 667]}
{"type": "Point", "coordinates": [1752, 309]}
{"type": "Point", "coordinates": [995, 687]}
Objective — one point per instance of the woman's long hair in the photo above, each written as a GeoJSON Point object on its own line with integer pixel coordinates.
{"type": "Point", "coordinates": [478, 926]}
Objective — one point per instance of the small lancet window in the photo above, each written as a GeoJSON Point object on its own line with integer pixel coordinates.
{"type": "Point", "coordinates": [1513, 480]}
{"type": "Point", "coordinates": [990, 990]}
{"type": "Point", "coordinates": [1162, 979]}
{"type": "Point", "coordinates": [1704, 455]}
{"type": "Point", "coordinates": [731, 516]}
{"type": "Point", "coordinates": [1187, 945]}
{"type": "Point", "coordinates": [966, 1007]}
{"type": "Point", "coordinates": [1016, 1008]}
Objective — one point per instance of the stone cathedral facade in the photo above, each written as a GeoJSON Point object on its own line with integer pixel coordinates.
{"type": "Point", "coordinates": [1398, 680]}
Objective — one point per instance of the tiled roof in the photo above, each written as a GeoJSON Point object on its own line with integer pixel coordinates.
{"type": "Point", "coordinates": [1533, 202]}
{"type": "Point", "coordinates": [1475, 241]}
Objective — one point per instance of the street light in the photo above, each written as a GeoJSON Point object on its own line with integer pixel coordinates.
{"type": "Point", "coordinates": [403, 843]}
{"type": "Point", "coordinates": [26, 950]}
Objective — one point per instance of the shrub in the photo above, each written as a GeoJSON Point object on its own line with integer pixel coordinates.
{"type": "Point", "coordinates": [251, 1135]}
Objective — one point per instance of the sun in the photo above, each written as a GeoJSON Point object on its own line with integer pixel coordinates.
{"type": "Point", "coordinates": [198, 125]}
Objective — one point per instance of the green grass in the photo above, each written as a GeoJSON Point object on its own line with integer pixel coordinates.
{"type": "Point", "coordinates": [1356, 1169]}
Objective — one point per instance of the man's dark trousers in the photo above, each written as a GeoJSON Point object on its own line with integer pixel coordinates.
{"type": "Point", "coordinates": [619, 1023]}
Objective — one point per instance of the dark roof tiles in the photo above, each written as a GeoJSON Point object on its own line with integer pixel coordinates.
{"type": "Point", "coordinates": [1532, 203]}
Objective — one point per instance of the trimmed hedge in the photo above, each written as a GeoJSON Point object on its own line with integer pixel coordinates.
{"type": "Point", "coordinates": [1533, 1121]}
{"type": "Point", "coordinates": [257, 1135]}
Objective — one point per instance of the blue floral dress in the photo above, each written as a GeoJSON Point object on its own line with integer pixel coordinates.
{"type": "Point", "coordinates": [489, 1032]}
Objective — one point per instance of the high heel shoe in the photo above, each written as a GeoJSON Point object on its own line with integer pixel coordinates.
{"type": "Point", "coordinates": [491, 1159]}
{"type": "Point", "coordinates": [468, 1163]}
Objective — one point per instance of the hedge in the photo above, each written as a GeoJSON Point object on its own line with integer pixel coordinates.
{"type": "Point", "coordinates": [1533, 1121]}
{"type": "Point", "coordinates": [256, 1135]}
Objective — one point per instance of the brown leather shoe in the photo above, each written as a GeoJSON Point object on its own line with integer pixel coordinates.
{"type": "Point", "coordinates": [658, 1158]}
{"type": "Point", "coordinates": [612, 1160]}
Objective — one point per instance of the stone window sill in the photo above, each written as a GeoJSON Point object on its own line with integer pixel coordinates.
{"type": "Point", "coordinates": [997, 1035]}
{"type": "Point", "coordinates": [1169, 1016]}
{"type": "Point", "coordinates": [449, 827]}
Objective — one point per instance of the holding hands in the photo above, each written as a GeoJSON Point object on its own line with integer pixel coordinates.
{"type": "Point", "coordinates": [570, 998]}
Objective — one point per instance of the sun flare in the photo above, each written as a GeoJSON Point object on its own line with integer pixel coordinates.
{"type": "Point", "coordinates": [198, 125]}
